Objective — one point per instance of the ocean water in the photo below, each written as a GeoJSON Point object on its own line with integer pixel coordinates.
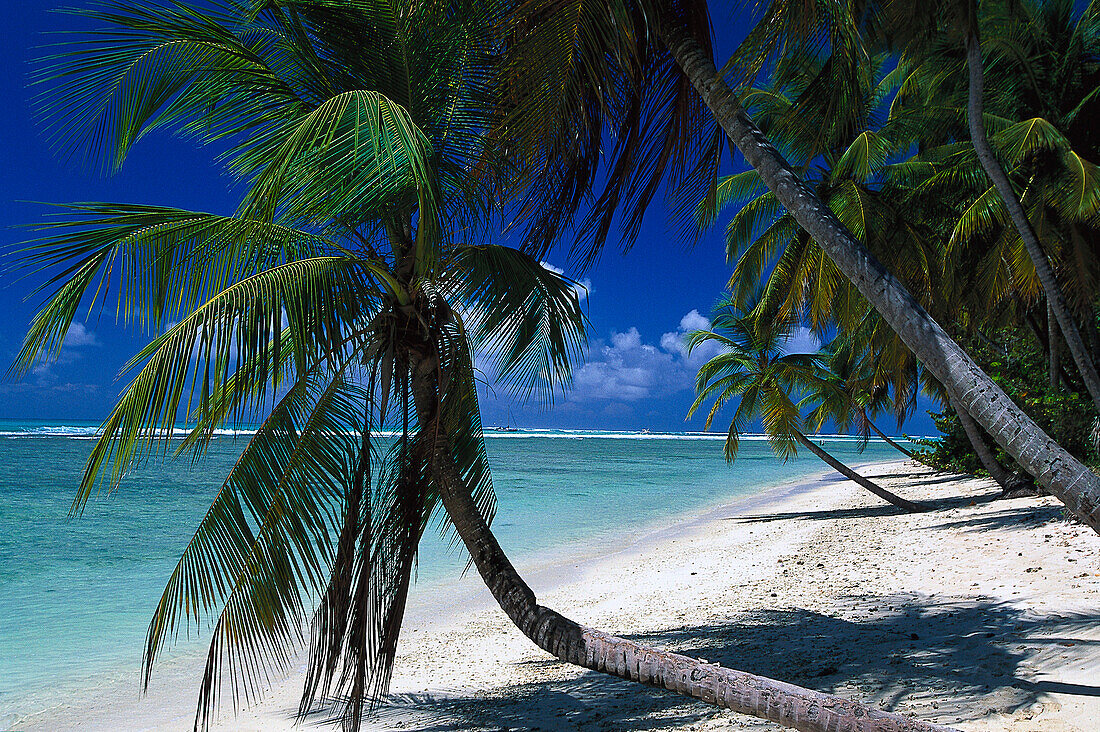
{"type": "Point", "coordinates": [76, 594]}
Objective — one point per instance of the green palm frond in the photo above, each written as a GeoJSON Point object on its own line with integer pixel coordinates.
{"type": "Point", "coordinates": [151, 66]}
{"type": "Point", "coordinates": [863, 158]}
{"type": "Point", "coordinates": [782, 422]}
{"type": "Point", "coordinates": [322, 300]}
{"type": "Point", "coordinates": [528, 318]}
{"type": "Point", "coordinates": [358, 151]}
{"type": "Point", "coordinates": [305, 466]}
{"type": "Point", "coordinates": [752, 218]}
{"type": "Point", "coordinates": [731, 190]}
{"type": "Point", "coordinates": [161, 261]}
{"type": "Point", "coordinates": [576, 69]}
{"type": "Point", "coordinates": [1027, 138]}
{"type": "Point", "coordinates": [982, 217]}
{"type": "Point", "coordinates": [313, 415]}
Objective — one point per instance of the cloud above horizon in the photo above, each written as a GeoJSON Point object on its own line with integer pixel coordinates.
{"type": "Point", "coordinates": [79, 337]}
{"type": "Point", "coordinates": [624, 368]}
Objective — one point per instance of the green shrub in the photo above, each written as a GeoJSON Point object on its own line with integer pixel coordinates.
{"type": "Point", "coordinates": [1019, 366]}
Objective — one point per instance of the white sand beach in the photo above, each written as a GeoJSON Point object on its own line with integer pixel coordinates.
{"type": "Point", "coordinates": [981, 614]}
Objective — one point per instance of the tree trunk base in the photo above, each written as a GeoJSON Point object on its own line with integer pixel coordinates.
{"type": "Point", "coordinates": [1021, 486]}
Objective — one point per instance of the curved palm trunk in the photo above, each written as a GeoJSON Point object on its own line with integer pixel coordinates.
{"type": "Point", "coordinates": [852, 475]}
{"type": "Point", "coordinates": [1006, 479]}
{"type": "Point", "coordinates": [785, 704]}
{"type": "Point", "coordinates": [1056, 300]}
{"type": "Point", "coordinates": [887, 439]}
{"type": "Point", "coordinates": [1065, 476]}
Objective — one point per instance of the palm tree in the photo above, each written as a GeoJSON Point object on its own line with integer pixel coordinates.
{"type": "Point", "coordinates": [849, 167]}
{"type": "Point", "coordinates": [912, 27]}
{"type": "Point", "coordinates": [343, 299]}
{"type": "Point", "coordinates": [1063, 475]}
{"type": "Point", "coordinates": [753, 367]}
{"type": "Point", "coordinates": [1041, 59]}
{"type": "Point", "coordinates": [1056, 299]}
{"type": "Point", "coordinates": [864, 381]}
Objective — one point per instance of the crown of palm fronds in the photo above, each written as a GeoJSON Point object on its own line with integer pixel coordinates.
{"type": "Point", "coordinates": [753, 367]}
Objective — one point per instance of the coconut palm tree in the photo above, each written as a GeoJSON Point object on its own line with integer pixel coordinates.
{"type": "Point", "coordinates": [606, 47]}
{"type": "Point", "coordinates": [753, 367]}
{"type": "Point", "coordinates": [1064, 476]}
{"type": "Point", "coordinates": [1040, 58]}
{"type": "Point", "coordinates": [342, 301]}
{"type": "Point", "coordinates": [961, 21]}
{"type": "Point", "coordinates": [850, 169]}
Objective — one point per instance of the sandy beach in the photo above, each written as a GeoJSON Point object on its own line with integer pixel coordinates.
{"type": "Point", "coordinates": [981, 614]}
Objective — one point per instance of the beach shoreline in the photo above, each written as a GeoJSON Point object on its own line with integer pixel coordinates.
{"type": "Point", "coordinates": [745, 583]}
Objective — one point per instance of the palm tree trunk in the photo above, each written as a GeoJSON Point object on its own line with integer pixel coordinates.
{"type": "Point", "coordinates": [786, 704]}
{"type": "Point", "coordinates": [1056, 300]}
{"type": "Point", "coordinates": [852, 475]}
{"type": "Point", "coordinates": [1055, 366]}
{"type": "Point", "coordinates": [1065, 476]}
{"type": "Point", "coordinates": [1006, 479]}
{"type": "Point", "coordinates": [887, 439]}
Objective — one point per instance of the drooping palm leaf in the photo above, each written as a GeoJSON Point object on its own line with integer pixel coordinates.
{"type": "Point", "coordinates": [162, 261]}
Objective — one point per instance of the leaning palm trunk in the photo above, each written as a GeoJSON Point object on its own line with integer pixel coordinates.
{"type": "Point", "coordinates": [1065, 476]}
{"type": "Point", "coordinates": [786, 704]}
{"type": "Point", "coordinates": [852, 475]}
{"type": "Point", "coordinates": [1056, 300]}
{"type": "Point", "coordinates": [887, 439]}
{"type": "Point", "coordinates": [1055, 353]}
{"type": "Point", "coordinates": [1008, 480]}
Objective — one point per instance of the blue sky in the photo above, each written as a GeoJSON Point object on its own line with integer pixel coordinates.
{"type": "Point", "coordinates": [639, 304]}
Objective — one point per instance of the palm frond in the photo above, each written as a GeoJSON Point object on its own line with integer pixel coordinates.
{"type": "Point", "coordinates": [322, 300]}
{"type": "Point", "coordinates": [162, 261]}
{"type": "Point", "coordinates": [527, 317]}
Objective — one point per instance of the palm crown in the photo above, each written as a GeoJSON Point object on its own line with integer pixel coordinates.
{"type": "Point", "coordinates": [753, 367]}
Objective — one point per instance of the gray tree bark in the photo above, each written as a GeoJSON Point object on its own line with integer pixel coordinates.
{"type": "Point", "coordinates": [852, 475]}
{"type": "Point", "coordinates": [1055, 364]}
{"type": "Point", "coordinates": [1005, 478]}
{"type": "Point", "coordinates": [1065, 476]}
{"type": "Point", "coordinates": [1056, 300]}
{"type": "Point", "coordinates": [786, 704]}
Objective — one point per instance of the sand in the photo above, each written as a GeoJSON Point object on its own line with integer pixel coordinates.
{"type": "Point", "coordinates": [981, 614]}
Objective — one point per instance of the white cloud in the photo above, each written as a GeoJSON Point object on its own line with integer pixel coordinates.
{"type": "Point", "coordinates": [674, 341]}
{"type": "Point", "coordinates": [801, 340]}
{"type": "Point", "coordinates": [626, 369]}
{"type": "Point", "coordinates": [79, 336]}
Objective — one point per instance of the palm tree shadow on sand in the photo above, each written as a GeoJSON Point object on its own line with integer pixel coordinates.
{"type": "Point", "coordinates": [946, 660]}
{"type": "Point", "coordinates": [862, 512]}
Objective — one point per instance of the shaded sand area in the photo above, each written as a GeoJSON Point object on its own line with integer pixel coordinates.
{"type": "Point", "coordinates": [983, 614]}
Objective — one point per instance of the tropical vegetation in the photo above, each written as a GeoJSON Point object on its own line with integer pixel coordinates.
{"type": "Point", "coordinates": [377, 145]}
{"type": "Point", "coordinates": [886, 145]}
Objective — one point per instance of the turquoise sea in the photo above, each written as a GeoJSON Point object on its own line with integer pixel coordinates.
{"type": "Point", "coordinates": [76, 594]}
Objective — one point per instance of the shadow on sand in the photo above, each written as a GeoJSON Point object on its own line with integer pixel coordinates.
{"type": "Point", "coordinates": [883, 509]}
{"type": "Point", "coordinates": [943, 660]}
